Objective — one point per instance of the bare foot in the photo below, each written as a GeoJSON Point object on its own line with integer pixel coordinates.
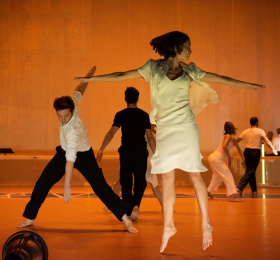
{"type": "Point", "coordinates": [26, 223]}
{"type": "Point", "coordinates": [210, 196]}
{"type": "Point", "coordinates": [129, 226]}
{"type": "Point", "coordinates": [207, 236]}
{"type": "Point", "coordinates": [134, 213]}
{"type": "Point", "coordinates": [166, 235]}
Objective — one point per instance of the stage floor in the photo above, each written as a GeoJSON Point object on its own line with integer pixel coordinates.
{"type": "Point", "coordinates": [82, 231]}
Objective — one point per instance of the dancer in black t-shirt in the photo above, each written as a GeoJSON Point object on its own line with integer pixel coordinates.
{"type": "Point", "coordinates": [134, 124]}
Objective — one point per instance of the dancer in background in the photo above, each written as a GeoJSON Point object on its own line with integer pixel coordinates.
{"type": "Point", "coordinates": [220, 162]}
{"type": "Point", "coordinates": [75, 152]}
{"type": "Point", "coordinates": [267, 149]}
{"type": "Point", "coordinates": [178, 92]}
{"type": "Point", "coordinates": [253, 137]}
{"type": "Point", "coordinates": [276, 141]}
{"type": "Point", "coordinates": [270, 135]}
{"type": "Point", "coordinates": [134, 124]}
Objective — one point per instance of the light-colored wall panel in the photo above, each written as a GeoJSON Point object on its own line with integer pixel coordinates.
{"type": "Point", "coordinates": [44, 44]}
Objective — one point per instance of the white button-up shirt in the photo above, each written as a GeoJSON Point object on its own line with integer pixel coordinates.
{"type": "Point", "coordinates": [74, 135]}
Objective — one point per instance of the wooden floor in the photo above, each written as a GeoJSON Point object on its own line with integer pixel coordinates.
{"type": "Point", "coordinates": [81, 230]}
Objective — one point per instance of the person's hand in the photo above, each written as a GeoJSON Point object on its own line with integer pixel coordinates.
{"type": "Point", "coordinates": [82, 79]}
{"type": "Point", "coordinates": [91, 72]}
{"type": "Point", "coordinates": [275, 152]}
{"type": "Point", "coordinates": [243, 163]}
{"type": "Point", "coordinates": [66, 193]}
{"type": "Point", "coordinates": [229, 163]}
{"type": "Point", "coordinates": [183, 63]}
{"type": "Point", "coordinates": [154, 128]}
{"type": "Point", "coordinates": [99, 155]}
{"type": "Point", "coordinates": [257, 86]}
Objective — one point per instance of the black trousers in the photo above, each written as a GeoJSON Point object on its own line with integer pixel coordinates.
{"type": "Point", "coordinates": [87, 165]}
{"type": "Point", "coordinates": [252, 159]}
{"type": "Point", "coordinates": [133, 162]}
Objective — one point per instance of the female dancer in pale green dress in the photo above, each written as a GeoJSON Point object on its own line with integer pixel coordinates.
{"type": "Point", "coordinates": [174, 106]}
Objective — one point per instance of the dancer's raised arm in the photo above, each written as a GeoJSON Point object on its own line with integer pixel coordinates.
{"type": "Point", "coordinates": [212, 77]}
{"type": "Point", "coordinates": [74, 141]}
{"type": "Point", "coordinates": [83, 85]}
{"type": "Point", "coordinates": [269, 144]}
{"type": "Point", "coordinates": [116, 76]}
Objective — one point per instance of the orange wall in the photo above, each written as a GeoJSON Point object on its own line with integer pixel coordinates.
{"type": "Point", "coordinates": [45, 43]}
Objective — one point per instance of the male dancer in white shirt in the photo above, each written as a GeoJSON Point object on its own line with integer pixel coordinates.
{"type": "Point", "coordinates": [75, 152]}
{"type": "Point", "coordinates": [253, 137]}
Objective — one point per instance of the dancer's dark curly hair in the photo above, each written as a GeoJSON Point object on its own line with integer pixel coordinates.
{"type": "Point", "coordinates": [229, 128]}
{"type": "Point", "coordinates": [64, 103]}
{"type": "Point", "coordinates": [165, 44]}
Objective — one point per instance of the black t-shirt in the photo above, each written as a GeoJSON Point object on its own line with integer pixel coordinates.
{"type": "Point", "coordinates": [133, 123]}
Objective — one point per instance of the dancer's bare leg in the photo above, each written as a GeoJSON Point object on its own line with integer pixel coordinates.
{"type": "Point", "coordinates": [117, 187]}
{"type": "Point", "coordinates": [168, 199]}
{"type": "Point", "coordinates": [129, 225]}
{"type": "Point", "coordinates": [157, 194]}
{"type": "Point", "coordinates": [202, 199]}
{"type": "Point", "coordinates": [26, 223]}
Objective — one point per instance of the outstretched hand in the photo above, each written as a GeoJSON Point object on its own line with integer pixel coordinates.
{"type": "Point", "coordinates": [82, 79]}
{"type": "Point", "coordinates": [87, 77]}
{"type": "Point", "coordinates": [91, 72]}
{"type": "Point", "coordinates": [257, 86]}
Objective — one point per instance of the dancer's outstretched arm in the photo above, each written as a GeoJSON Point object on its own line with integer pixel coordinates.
{"type": "Point", "coordinates": [269, 144]}
{"type": "Point", "coordinates": [212, 77]}
{"type": "Point", "coordinates": [238, 140]}
{"type": "Point", "coordinates": [239, 151]}
{"type": "Point", "coordinates": [69, 164]}
{"type": "Point", "coordinates": [83, 86]}
{"type": "Point", "coordinates": [67, 180]}
{"type": "Point", "coordinates": [107, 139]}
{"type": "Point", "coordinates": [116, 76]}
